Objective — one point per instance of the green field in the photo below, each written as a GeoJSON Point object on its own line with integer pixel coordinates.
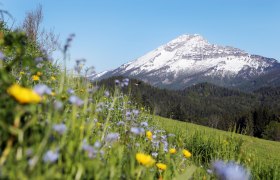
{"type": "Point", "coordinates": [265, 151]}
{"type": "Point", "coordinates": [57, 125]}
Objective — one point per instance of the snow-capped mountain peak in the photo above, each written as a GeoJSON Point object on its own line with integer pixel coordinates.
{"type": "Point", "coordinates": [190, 59]}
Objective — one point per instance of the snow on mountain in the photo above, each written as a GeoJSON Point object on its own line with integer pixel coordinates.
{"type": "Point", "coordinates": [190, 59]}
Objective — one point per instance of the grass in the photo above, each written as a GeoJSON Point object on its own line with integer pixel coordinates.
{"type": "Point", "coordinates": [266, 152]}
{"type": "Point", "coordinates": [61, 126]}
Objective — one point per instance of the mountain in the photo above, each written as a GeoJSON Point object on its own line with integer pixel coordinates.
{"type": "Point", "coordinates": [191, 59]}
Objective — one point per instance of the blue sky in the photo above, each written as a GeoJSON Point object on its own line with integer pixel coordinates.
{"type": "Point", "coordinates": [112, 32]}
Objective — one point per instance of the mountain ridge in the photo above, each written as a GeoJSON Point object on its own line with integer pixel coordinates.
{"type": "Point", "coordinates": [191, 59]}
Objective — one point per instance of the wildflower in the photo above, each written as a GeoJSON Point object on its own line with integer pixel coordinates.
{"type": "Point", "coordinates": [58, 105]}
{"type": "Point", "coordinates": [39, 73]}
{"type": "Point", "coordinates": [2, 56]}
{"type": "Point", "coordinates": [230, 171]}
{"type": "Point", "coordinates": [60, 128]}
{"type": "Point", "coordinates": [120, 123]}
{"type": "Point", "coordinates": [125, 82]}
{"type": "Point", "coordinates": [186, 153]}
{"type": "Point", "coordinates": [149, 135]}
{"type": "Point", "coordinates": [97, 144]}
{"type": "Point", "coordinates": [172, 151]}
{"type": "Point", "coordinates": [50, 156]}
{"type": "Point", "coordinates": [135, 112]}
{"type": "Point", "coordinates": [23, 95]}
{"type": "Point", "coordinates": [53, 78]}
{"type": "Point", "coordinates": [144, 159]}
{"type": "Point", "coordinates": [70, 91]}
{"type": "Point", "coordinates": [106, 93]}
{"type": "Point", "coordinates": [112, 137]}
{"type": "Point", "coordinates": [89, 149]}
{"type": "Point", "coordinates": [42, 89]}
{"type": "Point", "coordinates": [117, 82]}
{"type": "Point", "coordinates": [137, 131]}
{"type": "Point", "coordinates": [39, 59]}
{"type": "Point", "coordinates": [35, 78]}
{"type": "Point", "coordinates": [161, 166]}
{"type": "Point", "coordinates": [145, 124]}
{"type": "Point", "coordinates": [21, 72]}
{"type": "Point", "coordinates": [154, 154]}
{"type": "Point", "coordinates": [76, 100]}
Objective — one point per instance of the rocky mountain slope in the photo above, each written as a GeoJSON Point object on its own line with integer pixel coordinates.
{"type": "Point", "coordinates": [191, 59]}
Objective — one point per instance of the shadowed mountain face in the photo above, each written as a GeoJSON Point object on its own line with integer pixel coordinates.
{"type": "Point", "coordinates": [190, 59]}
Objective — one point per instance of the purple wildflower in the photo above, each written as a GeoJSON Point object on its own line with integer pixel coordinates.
{"type": "Point", "coordinates": [135, 112]}
{"type": "Point", "coordinates": [137, 131]}
{"type": "Point", "coordinates": [145, 124]}
{"type": "Point", "coordinates": [58, 105]}
{"type": "Point", "coordinates": [120, 123]}
{"type": "Point", "coordinates": [42, 89]}
{"type": "Point", "coordinates": [70, 91]}
{"type": "Point", "coordinates": [2, 56]}
{"type": "Point", "coordinates": [76, 100]}
{"type": "Point", "coordinates": [112, 137]}
{"type": "Point", "coordinates": [50, 156]}
{"type": "Point", "coordinates": [106, 93]}
{"type": "Point", "coordinates": [38, 59]}
{"type": "Point", "coordinates": [117, 82]}
{"type": "Point", "coordinates": [230, 171]}
{"type": "Point", "coordinates": [60, 128]}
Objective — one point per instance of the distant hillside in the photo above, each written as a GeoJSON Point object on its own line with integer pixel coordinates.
{"type": "Point", "coordinates": [209, 105]}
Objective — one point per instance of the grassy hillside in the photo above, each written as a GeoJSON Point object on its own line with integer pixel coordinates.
{"type": "Point", "coordinates": [255, 114]}
{"type": "Point", "coordinates": [56, 125]}
{"type": "Point", "coordinates": [264, 151]}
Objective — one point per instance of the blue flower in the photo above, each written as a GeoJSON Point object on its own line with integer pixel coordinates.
{"type": "Point", "coordinates": [60, 128]}
{"type": "Point", "coordinates": [50, 156]}
{"type": "Point", "coordinates": [76, 100]}
{"type": "Point", "coordinates": [2, 56]}
{"type": "Point", "coordinates": [39, 59]}
{"type": "Point", "coordinates": [89, 149]}
{"type": "Point", "coordinates": [70, 91]}
{"type": "Point", "coordinates": [145, 124]}
{"type": "Point", "coordinates": [137, 131]}
{"type": "Point", "coordinates": [230, 171]}
{"type": "Point", "coordinates": [112, 137]}
{"type": "Point", "coordinates": [42, 89]}
{"type": "Point", "coordinates": [120, 123]}
{"type": "Point", "coordinates": [106, 93]}
{"type": "Point", "coordinates": [135, 112]}
{"type": "Point", "coordinates": [117, 82]}
{"type": "Point", "coordinates": [58, 105]}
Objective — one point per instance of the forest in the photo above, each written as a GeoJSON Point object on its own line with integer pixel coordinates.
{"type": "Point", "coordinates": [255, 114]}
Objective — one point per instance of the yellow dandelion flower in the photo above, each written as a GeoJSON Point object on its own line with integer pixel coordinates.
{"type": "Point", "coordinates": [39, 73]}
{"type": "Point", "coordinates": [187, 153]}
{"type": "Point", "coordinates": [35, 78]}
{"type": "Point", "coordinates": [23, 95]}
{"type": "Point", "coordinates": [145, 159]}
{"type": "Point", "coordinates": [21, 73]}
{"type": "Point", "coordinates": [149, 135]}
{"type": "Point", "coordinates": [53, 78]}
{"type": "Point", "coordinates": [161, 166]}
{"type": "Point", "coordinates": [172, 151]}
